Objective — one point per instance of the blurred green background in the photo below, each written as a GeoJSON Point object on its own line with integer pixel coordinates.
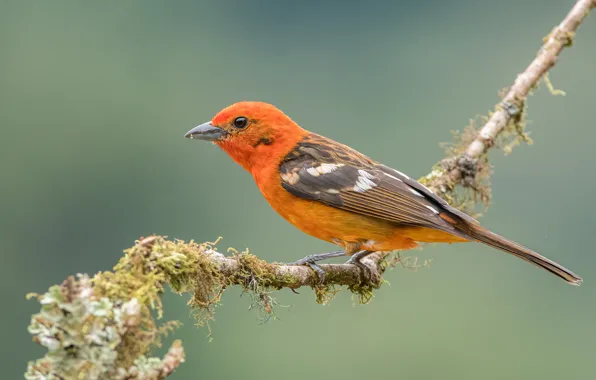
{"type": "Point", "coordinates": [96, 96]}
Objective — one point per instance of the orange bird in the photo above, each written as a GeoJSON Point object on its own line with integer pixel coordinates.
{"type": "Point", "coordinates": [334, 193]}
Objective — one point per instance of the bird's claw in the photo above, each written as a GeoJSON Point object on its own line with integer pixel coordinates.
{"type": "Point", "coordinates": [365, 271]}
{"type": "Point", "coordinates": [311, 262]}
{"type": "Point", "coordinates": [320, 272]}
{"type": "Point", "coordinates": [303, 261]}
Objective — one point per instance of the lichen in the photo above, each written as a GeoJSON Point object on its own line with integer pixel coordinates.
{"type": "Point", "coordinates": [153, 368]}
{"type": "Point", "coordinates": [98, 328]}
{"type": "Point", "coordinates": [87, 334]}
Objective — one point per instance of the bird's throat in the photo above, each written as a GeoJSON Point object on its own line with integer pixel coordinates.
{"type": "Point", "coordinates": [263, 151]}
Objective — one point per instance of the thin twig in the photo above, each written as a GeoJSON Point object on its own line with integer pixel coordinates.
{"type": "Point", "coordinates": [512, 104]}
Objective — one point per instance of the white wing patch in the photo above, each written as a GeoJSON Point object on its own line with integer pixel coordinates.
{"type": "Point", "coordinates": [313, 172]}
{"type": "Point", "coordinates": [364, 181]}
{"type": "Point", "coordinates": [328, 168]}
{"type": "Point", "coordinates": [365, 174]}
{"type": "Point", "coordinates": [291, 178]}
{"type": "Point", "coordinates": [316, 171]}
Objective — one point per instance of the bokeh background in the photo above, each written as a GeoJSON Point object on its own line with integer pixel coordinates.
{"type": "Point", "coordinates": [96, 96]}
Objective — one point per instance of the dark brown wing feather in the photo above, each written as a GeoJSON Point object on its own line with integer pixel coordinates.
{"type": "Point", "coordinates": [323, 170]}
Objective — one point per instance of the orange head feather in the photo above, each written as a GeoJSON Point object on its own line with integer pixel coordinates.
{"type": "Point", "coordinates": [252, 133]}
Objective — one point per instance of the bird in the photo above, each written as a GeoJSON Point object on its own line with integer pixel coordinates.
{"type": "Point", "coordinates": [335, 193]}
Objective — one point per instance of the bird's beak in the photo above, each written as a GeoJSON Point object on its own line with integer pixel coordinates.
{"type": "Point", "coordinates": [206, 131]}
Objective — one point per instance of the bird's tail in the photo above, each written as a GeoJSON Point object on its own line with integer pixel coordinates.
{"type": "Point", "coordinates": [490, 238]}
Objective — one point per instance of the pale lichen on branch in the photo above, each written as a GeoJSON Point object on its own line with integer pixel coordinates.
{"type": "Point", "coordinates": [102, 327]}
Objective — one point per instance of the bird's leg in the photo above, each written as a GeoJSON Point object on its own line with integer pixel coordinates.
{"type": "Point", "coordinates": [356, 259]}
{"type": "Point", "coordinates": [311, 261]}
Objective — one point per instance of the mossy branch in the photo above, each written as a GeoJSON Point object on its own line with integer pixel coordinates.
{"type": "Point", "coordinates": [102, 327]}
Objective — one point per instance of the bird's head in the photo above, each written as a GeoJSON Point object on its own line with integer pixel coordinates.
{"type": "Point", "coordinates": [252, 133]}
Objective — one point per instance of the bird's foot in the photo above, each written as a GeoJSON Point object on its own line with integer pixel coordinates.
{"type": "Point", "coordinates": [356, 259]}
{"type": "Point", "coordinates": [311, 261]}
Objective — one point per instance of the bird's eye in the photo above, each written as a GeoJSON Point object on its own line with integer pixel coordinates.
{"type": "Point", "coordinates": [240, 122]}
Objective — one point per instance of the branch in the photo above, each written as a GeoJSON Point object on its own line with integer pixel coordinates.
{"type": "Point", "coordinates": [102, 327]}
{"type": "Point", "coordinates": [294, 276]}
{"type": "Point", "coordinates": [463, 168]}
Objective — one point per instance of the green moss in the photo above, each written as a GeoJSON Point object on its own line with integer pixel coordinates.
{"type": "Point", "coordinates": [188, 269]}
{"type": "Point", "coordinates": [364, 291]}
{"type": "Point", "coordinates": [471, 192]}
{"type": "Point", "coordinates": [473, 187]}
{"type": "Point", "coordinates": [553, 91]}
{"type": "Point", "coordinates": [255, 272]}
{"type": "Point", "coordinates": [259, 279]}
{"type": "Point", "coordinates": [325, 293]}
{"type": "Point", "coordinates": [567, 37]}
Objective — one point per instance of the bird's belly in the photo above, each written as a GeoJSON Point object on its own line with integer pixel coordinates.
{"type": "Point", "coordinates": [333, 224]}
{"type": "Point", "coordinates": [346, 229]}
{"type": "Point", "coordinates": [349, 230]}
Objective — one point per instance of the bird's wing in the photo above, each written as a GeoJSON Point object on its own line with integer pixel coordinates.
{"type": "Point", "coordinates": [320, 169]}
